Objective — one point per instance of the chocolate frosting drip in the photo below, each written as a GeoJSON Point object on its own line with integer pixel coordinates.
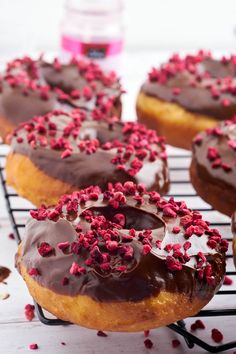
{"type": "Point", "coordinates": [66, 77]}
{"type": "Point", "coordinates": [215, 154]}
{"type": "Point", "coordinates": [81, 169]}
{"type": "Point", "coordinates": [33, 87]}
{"type": "Point", "coordinates": [19, 107]}
{"type": "Point", "coordinates": [69, 77]}
{"type": "Point", "coordinates": [198, 83]}
{"type": "Point", "coordinates": [145, 275]}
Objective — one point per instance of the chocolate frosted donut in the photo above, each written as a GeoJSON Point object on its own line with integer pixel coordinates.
{"type": "Point", "coordinates": [62, 152]}
{"type": "Point", "coordinates": [213, 169]}
{"type": "Point", "coordinates": [122, 260]}
{"type": "Point", "coordinates": [187, 95]}
{"type": "Point", "coordinates": [34, 87]}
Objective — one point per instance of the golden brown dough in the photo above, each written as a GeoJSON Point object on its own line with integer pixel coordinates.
{"type": "Point", "coordinates": [116, 317]}
{"type": "Point", "coordinates": [170, 120]}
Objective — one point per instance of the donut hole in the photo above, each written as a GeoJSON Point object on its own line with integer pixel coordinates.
{"type": "Point", "coordinates": [130, 218]}
{"type": "Point", "coordinates": [103, 133]}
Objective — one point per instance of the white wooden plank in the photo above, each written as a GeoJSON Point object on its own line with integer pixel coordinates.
{"type": "Point", "coordinates": [15, 338]}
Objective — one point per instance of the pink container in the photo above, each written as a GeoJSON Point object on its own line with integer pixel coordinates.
{"type": "Point", "coordinates": [93, 29]}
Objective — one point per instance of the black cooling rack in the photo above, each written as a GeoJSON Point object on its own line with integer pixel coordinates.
{"type": "Point", "coordinates": [181, 189]}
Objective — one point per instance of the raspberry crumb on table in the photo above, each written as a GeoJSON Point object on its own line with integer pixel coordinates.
{"type": "Point", "coordinates": [29, 312]}
{"type": "Point", "coordinates": [148, 343]}
{"type": "Point", "coordinates": [227, 280]}
{"type": "Point", "coordinates": [175, 343]}
{"type": "Point", "coordinates": [33, 346]}
{"type": "Point", "coordinates": [216, 335]}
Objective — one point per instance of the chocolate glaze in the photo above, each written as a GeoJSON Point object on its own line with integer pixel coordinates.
{"type": "Point", "coordinates": [197, 97]}
{"type": "Point", "coordinates": [146, 275]}
{"type": "Point", "coordinates": [24, 79]}
{"type": "Point", "coordinates": [4, 273]}
{"type": "Point", "coordinates": [210, 139]}
{"type": "Point", "coordinates": [70, 77]}
{"type": "Point", "coordinates": [66, 78]}
{"type": "Point", "coordinates": [18, 107]}
{"type": "Point", "coordinates": [81, 169]}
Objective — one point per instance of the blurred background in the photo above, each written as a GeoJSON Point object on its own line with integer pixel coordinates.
{"type": "Point", "coordinates": [29, 25]}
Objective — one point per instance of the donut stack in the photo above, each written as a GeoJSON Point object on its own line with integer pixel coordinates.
{"type": "Point", "coordinates": [104, 249]}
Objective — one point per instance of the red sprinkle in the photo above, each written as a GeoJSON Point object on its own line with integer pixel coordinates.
{"type": "Point", "coordinates": [65, 281]}
{"type": "Point", "coordinates": [66, 153]}
{"type": "Point", "coordinates": [29, 312]}
{"type": "Point", "coordinates": [212, 153]}
{"type": "Point", "coordinates": [45, 249]}
{"type": "Point", "coordinates": [226, 167]}
{"type": "Point", "coordinates": [146, 249]}
{"type": "Point", "coordinates": [198, 140]}
{"type": "Point", "coordinates": [63, 246]}
{"type": "Point", "coordinates": [227, 280]}
{"type": "Point", "coordinates": [176, 91]}
{"type": "Point", "coordinates": [76, 269]}
{"type": "Point", "coordinates": [187, 245]}
{"type": "Point", "coordinates": [148, 343]}
{"type": "Point", "coordinates": [167, 211]}
{"type": "Point", "coordinates": [33, 346]}
{"type": "Point", "coordinates": [11, 236]}
{"type": "Point", "coordinates": [173, 264]}
{"type": "Point", "coordinates": [121, 269]}
{"type": "Point", "coordinates": [216, 335]}
{"type": "Point", "coordinates": [87, 92]}
{"type": "Point", "coordinates": [232, 144]}
{"type": "Point", "coordinates": [119, 219]}
{"type": "Point", "coordinates": [176, 229]}
{"type": "Point", "coordinates": [175, 343]}
{"type": "Point", "coordinates": [226, 102]}
{"type": "Point", "coordinates": [34, 272]}
{"type": "Point", "coordinates": [198, 324]}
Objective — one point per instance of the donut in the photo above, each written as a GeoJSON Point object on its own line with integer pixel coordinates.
{"type": "Point", "coordinates": [234, 236]}
{"type": "Point", "coordinates": [122, 260]}
{"type": "Point", "coordinates": [35, 87]}
{"type": "Point", "coordinates": [188, 95]}
{"type": "Point", "coordinates": [62, 152]}
{"type": "Point", "coordinates": [213, 169]}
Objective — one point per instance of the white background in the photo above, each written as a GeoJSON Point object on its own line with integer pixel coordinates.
{"type": "Point", "coordinates": [33, 25]}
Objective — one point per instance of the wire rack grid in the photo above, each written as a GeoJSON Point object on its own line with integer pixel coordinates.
{"type": "Point", "coordinates": [181, 188]}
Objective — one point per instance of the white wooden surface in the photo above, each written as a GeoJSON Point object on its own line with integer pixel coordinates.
{"type": "Point", "coordinates": [16, 333]}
